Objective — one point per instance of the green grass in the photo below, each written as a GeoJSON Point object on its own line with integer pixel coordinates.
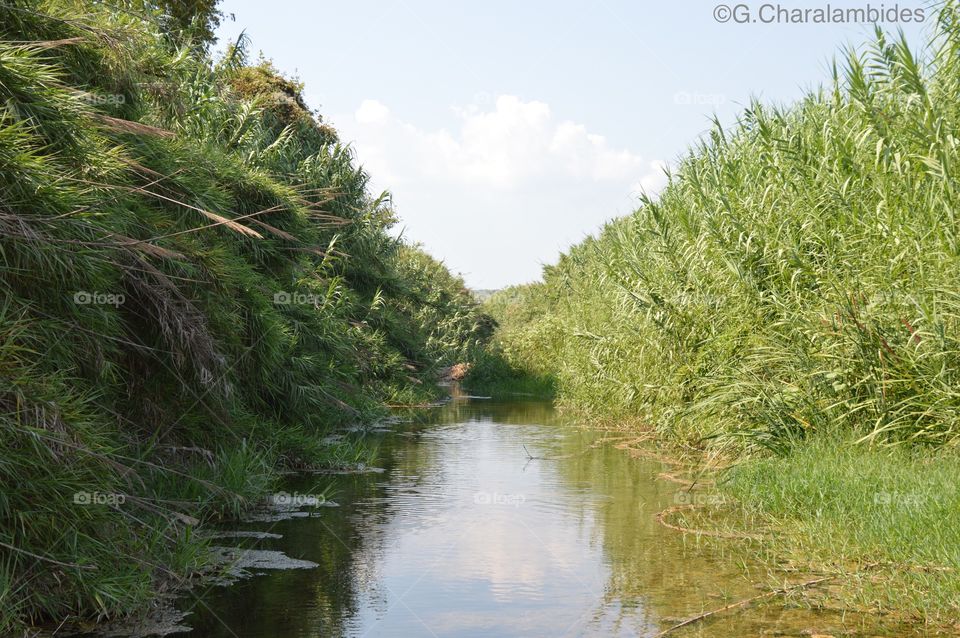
{"type": "Point", "coordinates": [501, 368]}
{"type": "Point", "coordinates": [493, 375]}
{"type": "Point", "coordinates": [888, 517]}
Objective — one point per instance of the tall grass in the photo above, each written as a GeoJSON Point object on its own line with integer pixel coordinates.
{"type": "Point", "coordinates": [195, 286]}
{"type": "Point", "coordinates": [798, 274]}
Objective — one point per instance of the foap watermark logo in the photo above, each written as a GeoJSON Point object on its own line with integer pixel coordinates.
{"type": "Point", "coordinates": [495, 498]}
{"type": "Point", "coordinates": [903, 499]}
{"type": "Point", "coordinates": [85, 298]}
{"type": "Point", "coordinates": [286, 499]}
{"type": "Point", "coordinates": [817, 13]}
{"type": "Point", "coordinates": [694, 98]}
{"type": "Point", "coordinates": [482, 98]}
{"type": "Point", "coordinates": [104, 99]}
{"type": "Point", "coordinates": [284, 298]}
{"type": "Point", "coordinates": [685, 497]}
{"type": "Point", "coordinates": [99, 498]}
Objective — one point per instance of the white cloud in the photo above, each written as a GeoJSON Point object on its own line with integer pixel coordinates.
{"type": "Point", "coordinates": [505, 147]}
{"type": "Point", "coordinates": [654, 180]}
{"type": "Point", "coordinates": [537, 182]}
{"type": "Point", "coordinates": [372, 112]}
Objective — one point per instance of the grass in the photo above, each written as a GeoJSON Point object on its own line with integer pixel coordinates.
{"type": "Point", "coordinates": [196, 288]}
{"type": "Point", "coordinates": [497, 369]}
{"type": "Point", "coordinates": [889, 518]}
{"type": "Point", "coordinates": [795, 282]}
{"type": "Point", "coordinates": [492, 374]}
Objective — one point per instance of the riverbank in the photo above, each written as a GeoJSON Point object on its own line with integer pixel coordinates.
{"type": "Point", "coordinates": [880, 526]}
{"type": "Point", "coordinates": [887, 522]}
{"type": "Point", "coordinates": [197, 289]}
{"type": "Point", "coordinates": [789, 303]}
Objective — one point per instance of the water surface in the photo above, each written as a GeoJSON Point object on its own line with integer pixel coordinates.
{"type": "Point", "coordinates": [463, 534]}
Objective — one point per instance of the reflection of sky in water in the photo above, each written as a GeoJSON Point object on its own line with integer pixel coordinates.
{"type": "Point", "coordinates": [464, 535]}
{"type": "Point", "coordinates": [503, 548]}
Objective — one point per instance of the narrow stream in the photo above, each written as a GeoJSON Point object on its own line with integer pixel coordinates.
{"type": "Point", "coordinates": [463, 534]}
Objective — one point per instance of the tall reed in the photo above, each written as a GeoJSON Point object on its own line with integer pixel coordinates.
{"type": "Point", "coordinates": [798, 274]}
{"type": "Point", "coordinates": [196, 287]}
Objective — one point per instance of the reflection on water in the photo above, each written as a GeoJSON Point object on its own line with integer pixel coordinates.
{"type": "Point", "coordinates": [465, 535]}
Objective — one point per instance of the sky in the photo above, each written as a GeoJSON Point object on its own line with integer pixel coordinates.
{"type": "Point", "coordinates": [506, 131]}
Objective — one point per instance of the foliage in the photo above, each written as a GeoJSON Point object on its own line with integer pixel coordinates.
{"type": "Point", "coordinates": [512, 363]}
{"type": "Point", "coordinates": [797, 275]}
{"type": "Point", "coordinates": [187, 21]}
{"type": "Point", "coordinates": [195, 287]}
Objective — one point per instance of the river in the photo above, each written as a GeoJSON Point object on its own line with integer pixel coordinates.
{"type": "Point", "coordinates": [464, 534]}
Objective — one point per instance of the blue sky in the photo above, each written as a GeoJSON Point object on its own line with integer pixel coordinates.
{"type": "Point", "coordinates": [508, 131]}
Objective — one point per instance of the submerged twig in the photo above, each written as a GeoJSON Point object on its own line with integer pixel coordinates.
{"type": "Point", "coordinates": [661, 516]}
{"type": "Point", "coordinates": [746, 601]}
